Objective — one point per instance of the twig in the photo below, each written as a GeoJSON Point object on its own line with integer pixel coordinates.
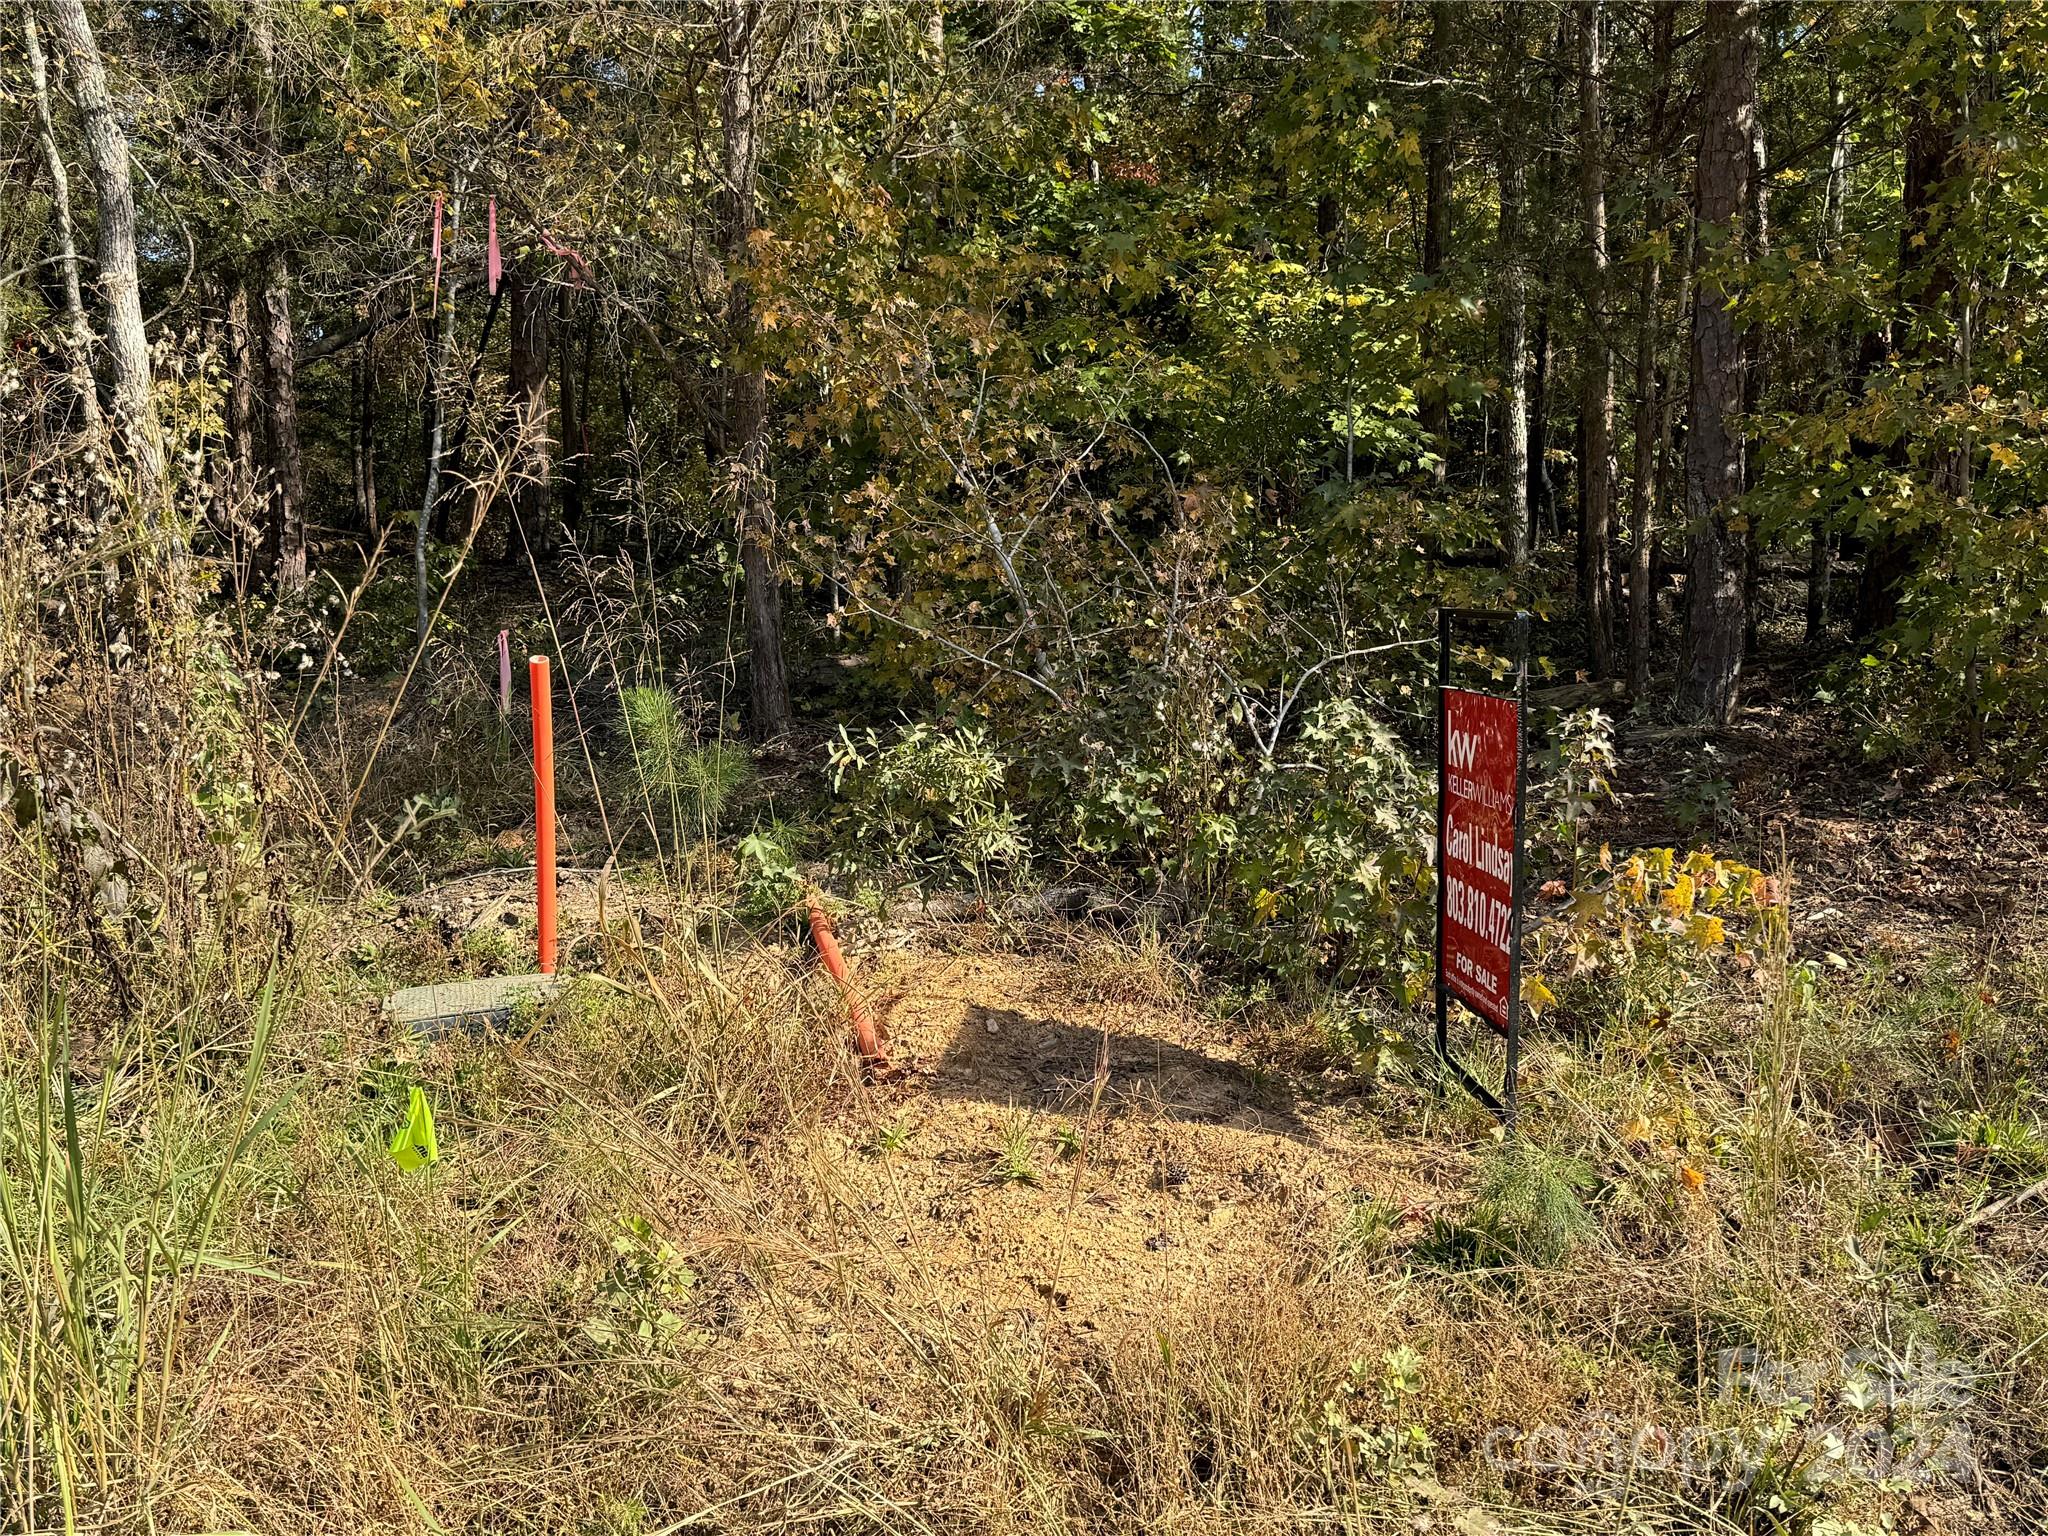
{"type": "Point", "coordinates": [1999, 1207]}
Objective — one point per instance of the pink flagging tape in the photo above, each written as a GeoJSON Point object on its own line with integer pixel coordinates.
{"type": "Point", "coordinates": [494, 266]}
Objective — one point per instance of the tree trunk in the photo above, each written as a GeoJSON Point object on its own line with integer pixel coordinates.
{"type": "Point", "coordinates": [281, 414]}
{"type": "Point", "coordinates": [1754, 376]}
{"type": "Point", "coordinates": [77, 329]}
{"type": "Point", "coordinates": [1642, 492]}
{"type": "Point", "coordinates": [1436, 227]}
{"type": "Point", "coordinates": [365, 456]}
{"type": "Point", "coordinates": [437, 423]}
{"type": "Point", "coordinates": [120, 282]}
{"type": "Point", "coordinates": [1519, 534]}
{"type": "Point", "coordinates": [570, 413]}
{"type": "Point", "coordinates": [1596, 399]}
{"type": "Point", "coordinates": [1717, 542]}
{"type": "Point", "coordinates": [532, 312]}
{"type": "Point", "coordinates": [1648, 410]}
{"type": "Point", "coordinates": [1819, 568]}
{"type": "Point", "coordinates": [747, 399]}
{"type": "Point", "coordinates": [280, 341]}
{"type": "Point", "coordinates": [243, 355]}
{"type": "Point", "coordinates": [1542, 495]}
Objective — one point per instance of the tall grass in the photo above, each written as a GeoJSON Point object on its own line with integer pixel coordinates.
{"type": "Point", "coordinates": [116, 1190]}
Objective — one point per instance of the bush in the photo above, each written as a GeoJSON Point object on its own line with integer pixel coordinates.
{"type": "Point", "coordinates": [1327, 866]}
{"type": "Point", "coordinates": [930, 801]}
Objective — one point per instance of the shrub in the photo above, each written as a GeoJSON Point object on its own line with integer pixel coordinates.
{"type": "Point", "coordinates": [931, 801]}
{"type": "Point", "coordinates": [1327, 865]}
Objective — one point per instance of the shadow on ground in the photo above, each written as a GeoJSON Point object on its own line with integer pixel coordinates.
{"type": "Point", "coordinates": [1006, 1057]}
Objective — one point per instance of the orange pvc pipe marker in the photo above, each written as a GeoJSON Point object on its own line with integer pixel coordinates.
{"type": "Point", "coordinates": [543, 805]}
{"type": "Point", "coordinates": [866, 1039]}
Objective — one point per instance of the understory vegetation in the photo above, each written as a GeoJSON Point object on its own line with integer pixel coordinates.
{"type": "Point", "coordinates": [984, 481]}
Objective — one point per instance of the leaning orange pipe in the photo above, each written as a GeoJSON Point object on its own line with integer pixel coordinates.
{"type": "Point", "coordinates": [867, 1039]}
{"type": "Point", "coordinates": [543, 805]}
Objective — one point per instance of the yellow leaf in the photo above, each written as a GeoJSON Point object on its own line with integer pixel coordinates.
{"type": "Point", "coordinates": [1678, 900]}
{"type": "Point", "coordinates": [2003, 456]}
{"type": "Point", "coordinates": [1637, 1129]}
{"type": "Point", "coordinates": [1536, 996]}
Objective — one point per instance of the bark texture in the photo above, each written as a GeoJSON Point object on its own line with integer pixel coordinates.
{"type": "Point", "coordinates": [437, 423]}
{"type": "Point", "coordinates": [363, 449]}
{"type": "Point", "coordinates": [281, 421]}
{"type": "Point", "coordinates": [1648, 407]}
{"type": "Point", "coordinates": [1819, 568]}
{"type": "Point", "coordinates": [120, 283]}
{"type": "Point", "coordinates": [77, 328]}
{"type": "Point", "coordinates": [1513, 299]}
{"type": "Point", "coordinates": [1717, 541]}
{"type": "Point", "coordinates": [746, 434]}
{"type": "Point", "coordinates": [287, 489]}
{"type": "Point", "coordinates": [243, 365]}
{"type": "Point", "coordinates": [1754, 376]}
{"type": "Point", "coordinates": [1436, 222]}
{"type": "Point", "coordinates": [1596, 398]}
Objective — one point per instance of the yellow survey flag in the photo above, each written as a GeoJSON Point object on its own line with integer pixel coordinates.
{"type": "Point", "coordinates": [414, 1146]}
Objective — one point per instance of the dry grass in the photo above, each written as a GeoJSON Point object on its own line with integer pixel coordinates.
{"type": "Point", "coordinates": [678, 1269]}
{"type": "Point", "coordinates": [666, 1276]}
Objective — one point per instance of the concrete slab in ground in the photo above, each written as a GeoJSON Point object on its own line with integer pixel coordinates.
{"type": "Point", "coordinates": [466, 1005]}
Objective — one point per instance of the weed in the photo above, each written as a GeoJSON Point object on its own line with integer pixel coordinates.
{"type": "Point", "coordinates": [2007, 1145]}
{"type": "Point", "coordinates": [1014, 1154]}
{"type": "Point", "coordinates": [932, 802]}
{"type": "Point", "coordinates": [1367, 1423]}
{"type": "Point", "coordinates": [770, 884]}
{"type": "Point", "coordinates": [1362, 1234]}
{"type": "Point", "coordinates": [892, 1138]}
{"type": "Point", "coordinates": [642, 1297]}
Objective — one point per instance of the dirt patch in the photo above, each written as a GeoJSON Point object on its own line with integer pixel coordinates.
{"type": "Point", "coordinates": [1101, 1162]}
{"type": "Point", "coordinates": [1911, 857]}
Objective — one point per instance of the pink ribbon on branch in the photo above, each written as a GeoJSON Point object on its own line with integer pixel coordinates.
{"type": "Point", "coordinates": [494, 266]}
{"type": "Point", "coordinates": [576, 263]}
{"type": "Point", "coordinates": [439, 199]}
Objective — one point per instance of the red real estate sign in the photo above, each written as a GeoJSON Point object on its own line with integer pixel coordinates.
{"type": "Point", "coordinates": [1476, 850]}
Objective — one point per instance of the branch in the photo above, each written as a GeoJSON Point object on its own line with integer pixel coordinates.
{"type": "Point", "coordinates": [962, 651]}
{"type": "Point", "coordinates": [346, 337]}
{"type": "Point", "coordinates": [1288, 700]}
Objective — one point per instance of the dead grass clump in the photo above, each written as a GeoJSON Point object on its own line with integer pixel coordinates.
{"type": "Point", "coordinates": [1103, 966]}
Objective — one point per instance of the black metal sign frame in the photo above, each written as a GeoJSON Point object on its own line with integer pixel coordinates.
{"type": "Point", "coordinates": [1502, 1104]}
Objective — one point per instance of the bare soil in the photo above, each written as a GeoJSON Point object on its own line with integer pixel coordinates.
{"type": "Point", "coordinates": [1182, 1172]}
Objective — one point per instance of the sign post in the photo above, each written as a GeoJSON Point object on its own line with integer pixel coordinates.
{"type": "Point", "coordinates": [1482, 752]}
